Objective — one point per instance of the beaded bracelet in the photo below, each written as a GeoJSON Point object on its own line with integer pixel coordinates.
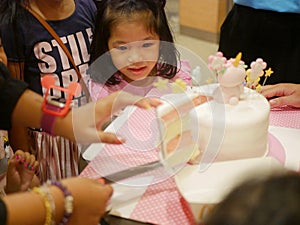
{"type": "Point", "coordinates": [68, 201]}
{"type": "Point", "coordinates": [47, 204]}
{"type": "Point", "coordinates": [51, 201]}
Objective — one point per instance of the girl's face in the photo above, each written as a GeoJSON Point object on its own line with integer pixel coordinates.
{"type": "Point", "coordinates": [134, 50]}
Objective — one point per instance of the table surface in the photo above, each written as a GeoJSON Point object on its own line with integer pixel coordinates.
{"type": "Point", "coordinates": [161, 202]}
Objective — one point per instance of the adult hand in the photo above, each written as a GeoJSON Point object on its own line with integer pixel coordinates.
{"type": "Point", "coordinates": [90, 200]}
{"type": "Point", "coordinates": [282, 94]}
{"type": "Point", "coordinates": [88, 120]}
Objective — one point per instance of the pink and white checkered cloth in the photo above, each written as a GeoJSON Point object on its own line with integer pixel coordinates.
{"type": "Point", "coordinates": [285, 117]}
{"type": "Point", "coordinates": [162, 202]}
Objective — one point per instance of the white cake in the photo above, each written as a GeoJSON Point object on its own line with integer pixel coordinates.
{"type": "Point", "coordinates": [227, 132]}
{"type": "Point", "coordinates": [234, 125]}
{"type": "Point", "coordinates": [231, 133]}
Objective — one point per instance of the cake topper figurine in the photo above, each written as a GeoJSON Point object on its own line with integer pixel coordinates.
{"type": "Point", "coordinates": [231, 78]}
{"type": "Point", "coordinates": [232, 75]}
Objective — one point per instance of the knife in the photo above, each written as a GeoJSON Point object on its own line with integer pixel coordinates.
{"type": "Point", "coordinates": [132, 171]}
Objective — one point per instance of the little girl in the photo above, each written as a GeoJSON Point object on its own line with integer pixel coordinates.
{"type": "Point", "coordinates": [132, 46]}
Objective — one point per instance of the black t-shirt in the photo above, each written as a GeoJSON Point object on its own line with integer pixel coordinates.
{"type": "Point", "coordinates": [3, 213]}
{"type": "Point", "coordinates": [10, 92]}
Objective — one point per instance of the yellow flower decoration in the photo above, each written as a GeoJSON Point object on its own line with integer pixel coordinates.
{"type": "Point", "coordinates": [5, 139]}
{"type": "Point", "coordinates": [258, 88]}
{"type": "Point", "coordinates": [161, 84]}
{"type": "Point", "coordinates": [209, 80]}
{"type": "Point", "coordinates": [179, 86]}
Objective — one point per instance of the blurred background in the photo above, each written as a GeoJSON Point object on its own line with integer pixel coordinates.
{"type": "Point", "coordinates": [196, 23]}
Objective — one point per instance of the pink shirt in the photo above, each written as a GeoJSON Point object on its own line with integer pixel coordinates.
{"type": "Point", "coordinates": [98, 90]}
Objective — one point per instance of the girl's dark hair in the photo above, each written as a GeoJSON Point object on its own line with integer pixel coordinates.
{"type": "Point", "coordinates": [111, 12]}
{"type": "Point", "coordinates": [274, 200]}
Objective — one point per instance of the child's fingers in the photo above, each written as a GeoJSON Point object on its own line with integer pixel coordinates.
{"type": "Point", "coordinates": [29, 160]}
{"type": "Point", "coordinates": [12, 165]}
{"type": "Point", "coordinates": [19, 156]}
{"type": "Point", "coordinates": [34, 165]}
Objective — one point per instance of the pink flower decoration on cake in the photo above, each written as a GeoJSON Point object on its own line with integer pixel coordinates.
{"type": "Point", "coordinates": [254, 73]}
{"type": "Point", "coordinates": [217, 62]}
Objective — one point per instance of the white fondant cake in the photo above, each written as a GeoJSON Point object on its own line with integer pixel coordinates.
{"type": "Point", "coordinates": [234, 125]}
{"type": "Point", "coordinates": [231, 132]}
{"type": "Point", "coordinates": [228, 132]}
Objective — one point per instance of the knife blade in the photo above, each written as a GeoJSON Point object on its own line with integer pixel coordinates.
{"type": "Point", "coordinates": [132, 171]}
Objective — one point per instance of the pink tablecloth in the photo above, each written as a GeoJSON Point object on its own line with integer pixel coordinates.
{"type": "Point", "coordinates": [285, 117]}
{"type": "Point", "coordinates": [162, 202]}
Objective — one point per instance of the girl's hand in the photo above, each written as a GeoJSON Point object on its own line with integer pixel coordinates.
{"type": "Point", "coordinates": [20, 172]}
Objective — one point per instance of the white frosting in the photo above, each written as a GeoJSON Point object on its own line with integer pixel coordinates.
{"type": "Point", "coordinates": [232, 131]}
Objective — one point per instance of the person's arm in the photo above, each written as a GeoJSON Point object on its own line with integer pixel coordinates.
{"type": "Point", "coordinates": [10, 92]}
{"type": "Point", "coordinates": [28, 208]}
{"type": "Point", "coordinates": [28, 110]}
{"type": "Point", "coordinates": [282, 94]}
{"type": "Point", "coordinates": [83, 124]}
